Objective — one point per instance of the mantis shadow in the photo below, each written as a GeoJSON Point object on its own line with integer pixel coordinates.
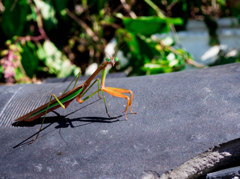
{"type": "Point", "coordinates": [66, 122]}
{"type": "Point", "coordinates": [63, 122]}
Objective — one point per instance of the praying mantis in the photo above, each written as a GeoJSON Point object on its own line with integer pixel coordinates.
{"type": "Point", "coordinates": [78, 92]}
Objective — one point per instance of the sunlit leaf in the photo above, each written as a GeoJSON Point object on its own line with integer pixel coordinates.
{"type": "Point", "coordinates": [18, 75]}
{"type": "Point", "coordinates": [48, 13]}
{"type": "Point", "coordinates": [149, 25]}
{"type": "Point", "coordinates": [168, 41]}
{"type": "Point", "coordinates": [57, 63]}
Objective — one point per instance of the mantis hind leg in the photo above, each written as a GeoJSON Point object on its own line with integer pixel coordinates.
{"type": "Point", "coordinates": [97, 91]}
{"type": "Point", "coordinates": [60, 103]}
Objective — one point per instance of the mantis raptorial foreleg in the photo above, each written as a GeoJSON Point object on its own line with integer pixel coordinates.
{"type": "Point", "coordinates": [97, 91]}
{"type": "Point", "coordinates": [118, 92]}
{"type": "Point", "coordinates": [105, 104]}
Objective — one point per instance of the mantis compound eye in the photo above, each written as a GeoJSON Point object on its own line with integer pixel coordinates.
{"type": "Point", "coordinates": [108, 59]}
{"type": "Point", "coordinates": [115, 59]}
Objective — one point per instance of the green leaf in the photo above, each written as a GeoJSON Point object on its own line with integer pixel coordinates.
{"type": "Point", "coordinates": [101, 4]}
{"type": "Point", "coordinates": [222, 2]}
{"type": "Point", "coordinates": [60, 5]}
{"type": "Point", "coordinates": [1, 72]}
{"type": "Point", "coordinates": [18, 75]}
{"type": "Point", "coordinates": [29, 59]}
{"type": "Point", "coordinates": [32, 15]}
{"type": "Point", "coordinates": [97, 4]}
{"type": "Point", "coordinates": [146, 47]}
{"type": "Point", "coordinates": [140, 50]}
{"type": "Point", "coordinates": [14, 17]}
{"type": "Point", "coordinates": [149, 25]}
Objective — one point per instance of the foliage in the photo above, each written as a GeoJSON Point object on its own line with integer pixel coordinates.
{"type": "Point", "coordinates": [29, 53]}
{"type": "Point", "coordinates": [146, 53]}
{"type": "Point", "coordinates": [42, 38]}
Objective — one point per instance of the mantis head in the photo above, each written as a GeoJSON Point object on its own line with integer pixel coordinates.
{"type": "Point", "coordinates": [112, 60]}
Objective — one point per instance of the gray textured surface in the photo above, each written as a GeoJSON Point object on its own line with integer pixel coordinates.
{"type": "Point", "coordinates": [179, 116]}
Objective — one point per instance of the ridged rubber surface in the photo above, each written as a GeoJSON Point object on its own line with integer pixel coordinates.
{"type": "Point", "coordinates": [21, 99]}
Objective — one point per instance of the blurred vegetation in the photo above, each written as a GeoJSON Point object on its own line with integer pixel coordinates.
{"type": "Point", "coordinates": [59, 38]}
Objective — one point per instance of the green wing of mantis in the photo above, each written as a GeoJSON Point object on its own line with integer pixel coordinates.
{"type": "Point", "coordinates": [50, 106]}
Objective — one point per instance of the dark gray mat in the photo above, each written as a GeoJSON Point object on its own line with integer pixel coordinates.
{"type": "Point", "coordinates": [179, 116]}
